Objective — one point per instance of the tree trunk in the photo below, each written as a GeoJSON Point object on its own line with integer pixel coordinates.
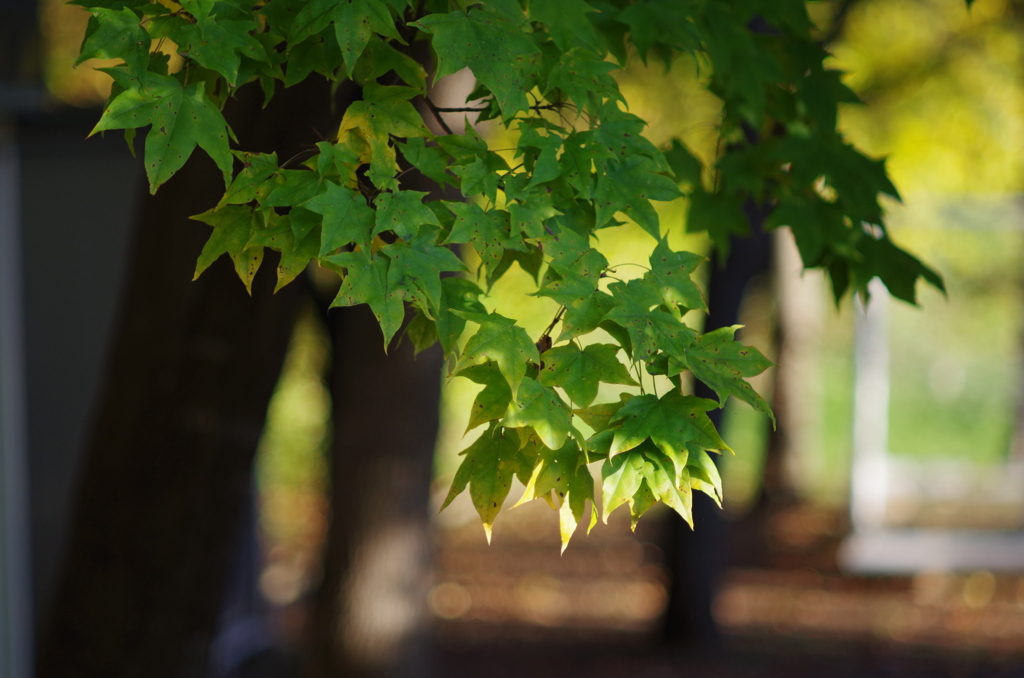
{"type": "Point", "coordinates": [368, 611]}
{"type": "Point", "coordinates": [169, 466]}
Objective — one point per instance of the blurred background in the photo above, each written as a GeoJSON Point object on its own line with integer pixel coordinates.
{"type": "Point", "coordinates": [878, 531]}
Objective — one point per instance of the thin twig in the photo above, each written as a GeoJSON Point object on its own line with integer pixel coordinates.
{"type": "Point", "coordinates": [558, 317]}
{"type": "Point", "coordinates": [437, 115]}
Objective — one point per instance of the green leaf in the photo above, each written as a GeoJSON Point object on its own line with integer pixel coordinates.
{"type": "Point", "coordinates": [672, 423]}
{"type": "Point", "coordinates": [641, 502]}
{"type": "Point", "coordinates": [181, 119]}
{"type": "Point", "coordinates": [720, 215]}
{"type": "Point", "coordinates": [346, 217]}
{"type": "Point", "coordinates": [670, 274]}
{"type": "Point", "coordinates": [355, 22]}
{"type": "Point", "coordinates": [492, 402]}
{"type": "Point", "coordinates": [288, 187]}
{"type": "Point", "coordinates": [430, 160]}
{"type": "Point", "coordinates": [540, 408]}
{"type": "Point", "coordinates": [621, 477]}
{"type": "Point", "coordinates": [579, 372]}
{"type": "Point", "coordinates": [585, 306]}
{"type": "Point", "coordinates": [366, 282]}
{"type": "Point", "coordinates": [492, 46]}
{"type": "Point", "coordinates": [382, 58]}
{"type": "Point", "coordinates": [233, 226]}
{"type": "Point", "coordinates": [422, 331]}
{"type": "Point", "coordinates": [296, 257]}
{"type": "Point", "coordinates": [634, 300]}
{"type": "Point", "coordinates": [567, 23]}
{"type": "Point", "coordinates": [686, 168]}
{"type": "Point", "coordinates": [501, 340]}
{"type": "Point", "coordinates": [460, 296]}
{"type": "Point", "coordinates": [562, 472]}
{"type": "Point", "coordinates": [384, 112]}
{"type": "Point", "coordinates": [580, 73]}
{"type": "Point", "coordinates": [544, 162]}
{"type": "Point", "coordinates": [570, 252]}
{"type": "Point", "coordinates": [116, 34]}
{"type": "Point", "coordinates": [257, 168]}
{"type": "Point", "coordinates": [670, 482]}
{"type": "Point", "coordinates": [488, 469]}
{"type": "Point", "coordinates": [599, 417]}
{"type": "Point", "coordinates": [529, 216]}
{"type": "Point", "coordinates": [704, 476]}
{"type": "Point", "coordinates": [402, 213]}
{"type": "Point", "coordinates": [220, 46]}
{"type": "Point", "coordinates": [628, 187]}
{"type": "Point", "coordinates": [416, 269]}
{"type": "Point", "coordinates": [487, 231]}
{"type": "Point", "coordinates": [722, 364]}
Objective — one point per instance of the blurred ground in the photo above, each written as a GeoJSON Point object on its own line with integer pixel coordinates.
{"type": "Point", "coordinates": [516, 608]}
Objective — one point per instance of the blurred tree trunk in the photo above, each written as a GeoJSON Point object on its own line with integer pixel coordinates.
{"type": "Point", "coordinates": [169, 465]}
{"type": "Point", "coordinates": [367, 615]}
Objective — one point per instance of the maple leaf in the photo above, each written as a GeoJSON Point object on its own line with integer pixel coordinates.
{"type": "Point", "coordinates": [116, 34]}
{"type": "Point", "coordinates": [402, 213]}
{"type": "Point", "coordinates": [366, 282]}
{"type": "Point", "coordinates": [722, 364]}
{"type": "Point", "coordinates": [629, 187]}
{"type": "Point", "coordinates": [671, 422]}
{"type": "Point", "coordinates": [585, 306]}
{"type": "Point", "coordinates": [233, 227]}
{"type": "Point", "coordinates": [670, 274]}
{"type": "Point", "coordinates": [346, 217]}
{"type": "Point", "coordinates": [579, 372]}
{"type": "Point", "coordinates": [495, 48]}
{"type": "Point", "coordinates": [220, 46]}
{"type": "Point", "coordinates": [182, 117]}
{"type": "Point", "coordinates": [487, 231]}
{"type": "Point", "coordinates": [257, 169]}
{"type": "Point", "coordinates": [492, 402]}
{"type": "Point", "coordinates": [560, 472]}
{"type": "Point", "coordinates": [570, 252]}
{"type": "Point", "coordinates": [501, 340]}
{"type": "Point", "coordinates": [632, 311]}
{"type": "Point", "coordinates": [416, 269]}
{"type": "Point", "coordinates": [567, 23]}
{"type": "Point", "coordinates": [621, 477]}
{"type": "Point", "coordinates": [460, 296]}
{"type": "Point", "coordinates": [540, 408]}
{"type": "Point", "coordinates": [383, 112]}
{"type": "Point", "coordinates": [488, 469]}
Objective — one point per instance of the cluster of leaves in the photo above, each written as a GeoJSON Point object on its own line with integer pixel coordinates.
{"type": "Point", "coordinates": [543, 69]}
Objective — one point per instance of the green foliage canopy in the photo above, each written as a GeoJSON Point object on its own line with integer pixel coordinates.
{"type": "Point", "coordinates": [543, 69]}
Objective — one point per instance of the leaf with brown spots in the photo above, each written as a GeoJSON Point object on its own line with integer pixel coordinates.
{"type": "Point", "coordinates": [501, 340]}
{"type": "Point", "coordinates": [402, 213]}
{"type": "Point", "coordinates": [490, 403]}
{"type": "Point", "coordinates": [722, 364]}
{"type": "Point", "coordinates": [488, 469]}
{"type": "Point", "coordinates": [233, 227]}
{"type": "Point", "coordinates": [366, 282]}
{"type": "Point", "coordinates": [181, 118]}
{"type": "Point", "coordinates": [578, 372]}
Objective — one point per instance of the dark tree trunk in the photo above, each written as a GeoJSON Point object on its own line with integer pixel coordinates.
{"type": "Point", "coordinates": [367, 615]}
{"type": "Point", "coordinates": [169, 465]}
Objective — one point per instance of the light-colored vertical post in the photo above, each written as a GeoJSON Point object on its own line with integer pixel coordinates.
{"type": "Point", "coordinates": [869, 484]}
{"type": "Point", "coordinates": [16, 619]}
